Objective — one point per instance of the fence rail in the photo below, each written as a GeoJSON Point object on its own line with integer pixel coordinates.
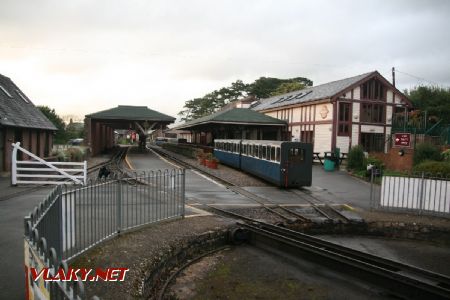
{"type": "Point", "coordinates": [416, 193]}
{"type": "Point", "coordinates": [37, 171]}
{"type": "Point", "coordinates": [73, 219]}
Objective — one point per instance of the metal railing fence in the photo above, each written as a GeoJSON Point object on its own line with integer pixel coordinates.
{"type": "Point", "coordinates": [418, 193]}
{"type": "Point", "coordinates": [72, 219]}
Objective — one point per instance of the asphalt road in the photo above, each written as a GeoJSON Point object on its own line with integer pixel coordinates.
{"type": "Point", "coordinates": [12, 212]}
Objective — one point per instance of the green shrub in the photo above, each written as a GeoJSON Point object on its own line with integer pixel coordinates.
{"type": "Point", "coordinates": [75, 154]}
{"type": "Point", "coordinates": [356, 159]}
{"type": "Point", "coordinates": [433, 167]}
{"type": "Point", "coordinates": [424, 152]}
{"type": "Point", "coordinates": [378, 163]}
{"type": "Point", "coordinates": [446, 155]}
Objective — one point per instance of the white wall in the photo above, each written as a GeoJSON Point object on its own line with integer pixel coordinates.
{"type": "Point", "coordinates": [355, 112]}
{"type": "Point", "coordinates": [322, 138]}
{"type": "Point", "coordinates": [357, 93]}
{"type": "Point", "coordinates": [355, 135]}
{"type": "Point", "coordinates": [388, 114]}
{"type": "Point", "coordinates": [343, 143]}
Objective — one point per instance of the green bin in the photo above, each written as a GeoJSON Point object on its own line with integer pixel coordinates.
{"type": "Point", "coordinates": [328, 165]}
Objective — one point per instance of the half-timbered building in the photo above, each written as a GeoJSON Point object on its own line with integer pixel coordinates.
{"type": "Point", "coordinates": [340, 114]}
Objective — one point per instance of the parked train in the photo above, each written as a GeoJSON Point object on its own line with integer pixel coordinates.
{"type": "Point", "coordinates": [286, 164]}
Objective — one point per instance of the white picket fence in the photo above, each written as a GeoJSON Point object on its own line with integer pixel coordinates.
{"type": "Point", "coordinates": [419, 194]}
{"type": "Point", "coordinates": [38, 171]}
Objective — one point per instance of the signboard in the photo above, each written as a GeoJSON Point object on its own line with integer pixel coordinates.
{"type": "Point", "coordinates": [402, 139]}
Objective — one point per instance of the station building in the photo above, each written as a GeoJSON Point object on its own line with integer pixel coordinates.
{"type": "Point", "coordinates": [341, 114]}
{"type": "Point", "coordinates": [234, 123]}
{"type": "Point", "coordinates": [21, 121]}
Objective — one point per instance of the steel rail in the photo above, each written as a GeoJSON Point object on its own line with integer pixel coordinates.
{"type": "Point", "coordinates": [400, 279]}
{"type": "Point", "coordinates": [231, 186]}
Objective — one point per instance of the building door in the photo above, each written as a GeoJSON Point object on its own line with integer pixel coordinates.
{"type": "Point", "coordinates": [372, 142]}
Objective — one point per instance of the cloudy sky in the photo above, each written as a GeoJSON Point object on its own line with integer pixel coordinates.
{"type": "Point", "coordinates": [83, 56]}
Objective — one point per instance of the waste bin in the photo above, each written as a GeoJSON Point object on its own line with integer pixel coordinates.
{"type": "Point", "coordinates": [328, 165]}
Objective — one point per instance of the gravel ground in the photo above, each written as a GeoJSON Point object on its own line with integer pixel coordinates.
{"type": "Point", "coordinates": [139, 251]}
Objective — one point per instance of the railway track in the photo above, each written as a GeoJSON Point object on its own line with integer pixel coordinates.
{"type": "Point", "coordinates": [397, 278]}
{"type": "Point", "coordinates": [402, 280]}
{"type": "Point", "coordinates": [320, 213]}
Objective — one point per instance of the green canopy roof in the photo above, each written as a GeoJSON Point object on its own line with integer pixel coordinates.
{"type": "Point", "coordinates": [127, 112]}
{"type": "Point", "coordinates": [238, 116]}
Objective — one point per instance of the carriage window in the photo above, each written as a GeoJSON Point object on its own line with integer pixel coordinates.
{"type": "Point", "coordinates": [256, 151]}
{"type": "Point", "coordinates": [238, 148]}
{"type": "Point", "coordinates": [278, 155]}
{"type": "Point", "coordinates": [260, 151]}
{"type": "Point", "coordinates": [272, 153]}
{"type": "Point", "coordinates": [296, 154]}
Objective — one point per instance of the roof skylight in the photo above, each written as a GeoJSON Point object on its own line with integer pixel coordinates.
{"type": "Point", "coordinates": [24, 98]}
{"type": "Point", "coordinates": [5, 91]}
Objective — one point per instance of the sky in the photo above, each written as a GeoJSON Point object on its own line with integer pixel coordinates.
{"type": "Point", "coordinates": [82, 56]}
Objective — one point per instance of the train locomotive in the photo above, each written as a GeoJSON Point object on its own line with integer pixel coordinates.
{"type": "Point", "coordinates": [285, 164]}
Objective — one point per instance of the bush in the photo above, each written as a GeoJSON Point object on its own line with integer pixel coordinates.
{"type": "Point", "coordinates": [356, 159]}
{"type": "Point", "coordinates": [424, 152]}
{"type": "Point", "coordinates": [378, 163]}
{"type": "Point", "coordinates": [75, 154]}
{"type": "Point", "coordinates": [446, 155]}
{"type": "Point", "coordinates": [433, 167]}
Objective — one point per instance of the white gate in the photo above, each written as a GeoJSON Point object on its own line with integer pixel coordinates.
{"type": "Point", "coordinates": [39, 171]}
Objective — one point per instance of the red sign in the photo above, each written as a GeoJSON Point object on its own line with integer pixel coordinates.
{"type": "Point", "coordinates": [402, 139]}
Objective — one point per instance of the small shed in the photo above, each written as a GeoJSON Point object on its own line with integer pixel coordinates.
{"type": "Point", "coordinates": [235, 123]}
{"type": "Point", "coordinates": [21, 121]}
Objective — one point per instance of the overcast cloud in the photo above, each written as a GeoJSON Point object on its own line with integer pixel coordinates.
{"type": "Point", "coordinates": [84, 56]}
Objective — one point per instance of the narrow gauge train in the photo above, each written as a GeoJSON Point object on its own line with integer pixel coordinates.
{"type": "Point", "coordinates": [286, 164]}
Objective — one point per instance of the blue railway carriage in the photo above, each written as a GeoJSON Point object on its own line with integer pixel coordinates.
{"type": "Point", "coordinates": [228, 152]}
{"type": "Point", "coordinates": [286, 164]}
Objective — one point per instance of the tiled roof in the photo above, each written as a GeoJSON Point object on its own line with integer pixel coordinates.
{"type": "Point", "coordinates": [322, 91]}
{"type": "Point", "coordinates": [241, 116]}
{"type": "Point", "coordinates": [17, 110]}
{"type": "Point", "coordinates": [127, 112]}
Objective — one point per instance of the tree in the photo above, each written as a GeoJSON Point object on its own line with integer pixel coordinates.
{"type": "Point", "coordinates": [60, 136]}
{"type": "Point", "coordinates": [211, 102]}
{"type": "Point", "coordinates": [435, 100]}
{"type": "Point", "coordinates": [265, 86]}
{"type": "Point", "coordinates": [287, 87]}
{"type": "Point", "coordinates": [261, 88]}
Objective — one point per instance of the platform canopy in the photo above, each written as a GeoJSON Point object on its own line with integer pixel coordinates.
{"type": "Point", "coordinates": [100, 125]}
{"type": "Point", "coordinates": [234, 123]}
{"type": "Point", "coordinates": [235, 116]}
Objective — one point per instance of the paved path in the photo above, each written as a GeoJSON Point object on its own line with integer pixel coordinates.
{"type": "Point", "coordinates": [340, 187]}
{"type": "Point", "coordinates": [12, 212]}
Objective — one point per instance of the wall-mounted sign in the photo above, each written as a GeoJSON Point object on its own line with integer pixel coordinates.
{"type": "Point", "coordinates": [402, 139]}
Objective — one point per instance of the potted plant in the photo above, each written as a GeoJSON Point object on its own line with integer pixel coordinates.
{"type": "Point", "coordinates": [213, 162]}
{"type": "Point", "coordinates": [201, 157]}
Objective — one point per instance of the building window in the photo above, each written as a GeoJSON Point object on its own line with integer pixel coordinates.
{"type": "Point", "coordinates": [372, 142]}
{"type": "Point", "coordinates": [372, 90]}
{"type": "Point", "coordinates": [344, 119]}
{"type": "Point", "coordinates": [307, 136]}
{"type": "Point", "coordinates": [372, 113]}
